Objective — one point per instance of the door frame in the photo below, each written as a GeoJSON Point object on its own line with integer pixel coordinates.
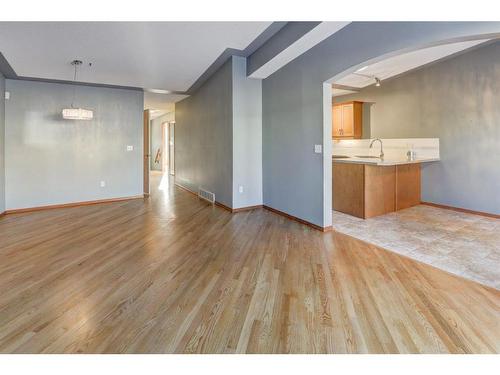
{"type": "Point", "coordinates": [171, 158]}
{"type": "Point", "coordinates": [164, 146]}
{"type": "Point", "coordinates": [146, 153]}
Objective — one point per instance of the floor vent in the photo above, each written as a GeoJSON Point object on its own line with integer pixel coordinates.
{"type": "Point", "coordinates": [207, 195]}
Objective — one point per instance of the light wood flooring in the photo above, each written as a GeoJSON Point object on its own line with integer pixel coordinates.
{"type": "Point", "coordinates": [172, 274]}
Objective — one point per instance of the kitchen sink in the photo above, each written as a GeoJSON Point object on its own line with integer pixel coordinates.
{"type": "Point", "coordinates": [367, 156]}
{"type": "Point", "coordinates": [340, 157]}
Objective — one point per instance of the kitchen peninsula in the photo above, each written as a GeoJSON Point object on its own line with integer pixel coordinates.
{"type": "Point", "coordinates": [367, 185]}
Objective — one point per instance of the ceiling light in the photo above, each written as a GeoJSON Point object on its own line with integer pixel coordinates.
{"type": "Point", "coordinates": [158, 91]}
{"type": "Point", "coordinates": [377, 82]}
{"type": "Point", "coordinates": [76, 113]}
{"type": "Point", "coordinates": [363, 68]}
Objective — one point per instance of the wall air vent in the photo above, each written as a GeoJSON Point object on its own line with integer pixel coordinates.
{"type": "Point", "coordinates": [206, 195]}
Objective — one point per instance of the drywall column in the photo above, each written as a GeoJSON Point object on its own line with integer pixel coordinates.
{"type": "Point", "coordinates": [204, 137]}
{"type": "Point", "coordinates": [247, 137]}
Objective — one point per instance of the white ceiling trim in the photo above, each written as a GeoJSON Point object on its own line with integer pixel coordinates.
{"type": "Point", "coordinates": [301, 45]}
{"type": "Point", "coordinates": [339, 92]}
{"type": "Point", "coordinates": [399, 64]}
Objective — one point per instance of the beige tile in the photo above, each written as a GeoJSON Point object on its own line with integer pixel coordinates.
{"type": "Point", "coordinates": [463, 244]}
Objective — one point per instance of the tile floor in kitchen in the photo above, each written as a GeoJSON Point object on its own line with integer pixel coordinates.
{"type": "Point", "coordinates": [460, 243]}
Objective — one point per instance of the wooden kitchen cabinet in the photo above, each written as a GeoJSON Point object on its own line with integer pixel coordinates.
{"type": "Point", "coordinates": [347, 120]}
{"type": "Point", "coordinates": [366, 191]}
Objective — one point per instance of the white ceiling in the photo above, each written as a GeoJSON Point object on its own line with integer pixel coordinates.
{"type": "Point", "coordinates": [163, 102]}
{"type": "Point", "coordinates": [396, 65]}
{"type": "Point", "coordinates": [149, 55]}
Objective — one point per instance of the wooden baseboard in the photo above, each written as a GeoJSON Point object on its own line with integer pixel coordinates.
{"type": "Point", "coordinates": [294, 218]}
{"type": "Point", "coordinates": [221, 205]}
{"type": "Point", "coordinates": [73, 204]}
{"type": "Point", "coordinates": [247, 208]}
{"type": "Point", "coordinates": [290, 217]}
{"type": "Point", "coordinates": [185, 189]}
{"type": "Point", "coordinates": [196, 194]}
{"type": "Point", "coordinates": [458, 209]}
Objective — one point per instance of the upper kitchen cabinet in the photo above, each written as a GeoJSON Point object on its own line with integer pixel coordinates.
{"type": "Point", "coordinates": [347, 120]}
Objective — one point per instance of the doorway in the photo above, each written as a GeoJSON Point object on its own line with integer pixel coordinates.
{"type": "Point", "coordinates": [146, 153]}
{"type": "Point", "coordinates": [171, 148]}
{"type": "Point", "coordinates": [168, 146]}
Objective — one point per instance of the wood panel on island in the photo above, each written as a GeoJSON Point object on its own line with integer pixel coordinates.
{"type": "Point", "coordinates": [365, 191]}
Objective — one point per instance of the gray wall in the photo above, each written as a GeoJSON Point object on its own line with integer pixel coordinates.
{"type": "Point", "coordinates": [203, 137]}
{"type": "Point", "coordinates": [2, 143]}
{"type": "Point", "coordinates": [295, 179]}
{"type": "Point", "coordinates": [247, 137]}
{"type": "Point", "coordinates": [218, 141]}
{"type": "Point", "coordinates": [52, 161]}
{"type": "Point", "coordinates": [458, 101]}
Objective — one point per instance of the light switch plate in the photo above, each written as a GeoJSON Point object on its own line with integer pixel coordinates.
{"type": "Point", "coordinates": [7, 95]}
{"type": "Point", "coordinates": [318, 149]}
{"type": "Point", "coordinates": [130, 148]}
{"type": "Point", "coordinates": [103, 183]}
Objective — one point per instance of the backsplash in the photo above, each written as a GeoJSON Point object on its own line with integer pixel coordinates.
{"type": "Point", "coordinates": [395, 148]}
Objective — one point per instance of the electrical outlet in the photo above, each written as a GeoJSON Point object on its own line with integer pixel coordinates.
{"type": "Point", "coordinates": [103, 183]}
{"type": "Point", "coordinates": [318, 149]}
{"type": "Point", "coordinates": [130, 148]}
{"type": "Point", "coordinates": [240, 189]}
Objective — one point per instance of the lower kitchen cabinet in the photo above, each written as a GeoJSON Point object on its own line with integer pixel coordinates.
{"type": "Point", "coordinates": [365, 190]}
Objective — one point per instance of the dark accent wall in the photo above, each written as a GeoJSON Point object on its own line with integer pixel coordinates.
{"type": "Point", "coordinates": [203, 137]}
{"type": "Point", "coordinates": [219, 137]}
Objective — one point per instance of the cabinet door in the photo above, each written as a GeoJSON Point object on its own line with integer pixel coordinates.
{"type": "Point", "coordinates": [337, 121]}
{"type": "Point", "coordinates": [348, 120]}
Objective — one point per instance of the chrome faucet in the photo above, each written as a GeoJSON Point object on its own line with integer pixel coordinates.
{"type": "Point", "coordinates": [381, 147]}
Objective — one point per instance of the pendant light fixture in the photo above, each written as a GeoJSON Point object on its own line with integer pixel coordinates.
{"type": "Point", "coordinates": [76, 113]}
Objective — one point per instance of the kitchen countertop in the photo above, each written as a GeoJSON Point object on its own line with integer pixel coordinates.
{"type": "Point", "coordinates": [382, 162]}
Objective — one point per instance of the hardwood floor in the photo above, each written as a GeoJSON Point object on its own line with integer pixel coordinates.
{"type": "Point", "coordinates": [172, 274]}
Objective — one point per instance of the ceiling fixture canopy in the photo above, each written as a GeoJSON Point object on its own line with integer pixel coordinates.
{"type": "Point", "coordinates": [76, 113]}
{"type": "Point", "coordinates": [377, 80]}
